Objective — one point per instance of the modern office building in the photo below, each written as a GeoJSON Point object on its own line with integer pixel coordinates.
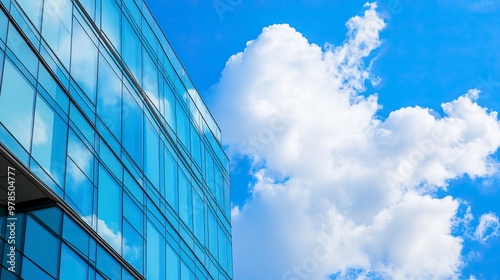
{"type": "Point", "coordinates": [111, 166]}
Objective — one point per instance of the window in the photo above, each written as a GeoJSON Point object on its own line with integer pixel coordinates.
{"type": "Point", "coordinates": [107, 264]}
{"type": "Point", "coordinates": [199, 217]}
{"type": "Point", "coordinates": [84, 61]}
{"type": "Point", "coordinates": [150, 79]}
{"type": "Point", "coordinates": [132, 53]}
{"type": "Point", "coordinates": [72, 266]}
{"type": "Point", "coordinates": [155, 253]}
{"type": "Point", "coordinates": [182, 126]}
{"type": "Point", "coordinates": [109, 97]}
{"type": "Point", "coordinates": [133, 246]}
{"type": "Point", "coordinates": [185, 200]}
{"type": "Point", "coordinates": [132, 128]}
{"type": "Point", "coordinates": [133, 213]}
{"type": "Point", "coordinates": [171, 189]}
{"type": "Point", "coordinates": [16, 116]}
{"type": "Point", "coordinates": [21, 50]}
{"type": "Point", "coordinates": [33, 9]}
{"type": "Point", "coordinates": [56, 28]}
{"type": "Point", "coordinates": [172, 264]}
{"type": "Point", "coordinates": [109, 210]}
{"type": "Point", "coordinates": [49, 141]}
{"type": "Point", "coordinates": [152, 155]}
{"type": "Point", "coordinates": [46, 253]}
{"type": "Point", "coordinates": [75, 235]}
{"type": "Point", "coordinates": [169, 105]}
{"type": "Point", "coordinates": [79, 190]}
{"type": "Point", "coordinates": [212, 234]}
{"type": "Point", "coordinates": [111, 22]}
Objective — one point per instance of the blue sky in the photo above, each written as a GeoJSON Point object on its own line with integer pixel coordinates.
{"type": "Point", "coordinates": [426, 54]}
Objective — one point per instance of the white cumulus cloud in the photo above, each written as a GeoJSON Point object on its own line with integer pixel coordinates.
{"type": "Point", "coordinates": [339, 191]}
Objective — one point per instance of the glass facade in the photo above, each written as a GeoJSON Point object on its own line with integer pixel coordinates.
{"type": "Point", "coordinates": [97, 109]}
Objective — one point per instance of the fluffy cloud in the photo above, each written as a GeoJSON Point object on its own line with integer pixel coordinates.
{"type": "Point", "coordinates": [339, 191]}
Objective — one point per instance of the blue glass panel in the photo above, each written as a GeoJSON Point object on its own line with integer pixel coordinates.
{"type": "Point", "coordinates": [3, 28]}
{"type": "Point", "coordinates": [168, 105]}
{"type": "Point", "coordinates": [133, 187]}
{"type": "Point", "coordinates": [82, 124]}
{"type": "Point", "coordinates": [84, 61]}
{"type": "Point", "coordinates": [21, 50]}
{"type": "Point", "coordinates": [132, 53]}
{"type": "Point", "coordinates": [185, 200]}
{"type": "Point", "coordinates": [33, 9]}
{"type": "Point", "coordinates": [227, 199]}
{"type": "Point", "coordinates": [75, 235]}
{"type": "Point", "coordinates": [133, 247]}
{"type": "Point", "coordinates": [73, 267]}
{"type": "Point", "coordinates": [46, 253]}
{"type": "Point", "coordinates": [109, 97]}
{"type": "Point", "coordinates": [107, 264]}
{"type": "Point", "coordinates": [222, 246]}
{"type": "Point", "coordinates": [109, 210]}
{"type": "Point", "coordinates": [152, 155]}
{"type": "Point", "coordinates": [51, 216]}
{"type": "Point", "coordinates": [16, 116]}
{"type": "Point", "coordinates": [49, 141]}
{"type": "Point", "coordinates": [171, 189]}
{"type": "Point", "coordinates": [199, 217]}
{"type": "Point", "coordinates": [212, 233]}
{"type": "Point", "coordinates": [110, 159]}
{"type": "Point", "coordinates": [155, 254]}
{"type": "Point", "coordinates": [79, 190]}
{"type": "Point", "coordinates": [132, 128]}
{"type": "Point", "coordinates": [111, 24]}
{"type": "Point", "coordinates": [182, 126]}
{"type": "Point", "coordinates": [89, 6]}
{"type": "Point", "coordinates": [195, 146]}
{"type": "Point", "coordinates": [81, 155]}
{"type": "Point", "coordinates": [52, 88]}
{"type": "Point", "coordinates": [209, 172]}
{"type": "Point", "coordinates": [132, 212]}
{"type": "Point", "coordinates": [186, 274]}
{"type": "Point", "coordinates": [31, 271]}
{"type": "Point", "coordinates": [56, 28]}
{"type": "Point", "coordinates": [172, 264]}
{"type": "Point", "coordinates": [150, 79]}
{"type": "Point", "coordinates": [219, 191]}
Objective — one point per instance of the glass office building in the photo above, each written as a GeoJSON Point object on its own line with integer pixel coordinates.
{"type": "Point", "coordinates": [112, 159]}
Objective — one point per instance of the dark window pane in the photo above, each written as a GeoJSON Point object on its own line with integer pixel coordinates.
{"type": "Point", "coordinates": [51, 216]}
{"type": "Point", "coordinates": [46, 253]}
{"type": "Point", "coordinates": [31, 271]}
{"type": "Point", "coordinates": [75, 235]}
{"type": "Point", "coordinates": [107, 264]}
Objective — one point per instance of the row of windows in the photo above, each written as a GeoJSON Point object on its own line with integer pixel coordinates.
{"type": "Point", "coordinates": [40, 126]}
